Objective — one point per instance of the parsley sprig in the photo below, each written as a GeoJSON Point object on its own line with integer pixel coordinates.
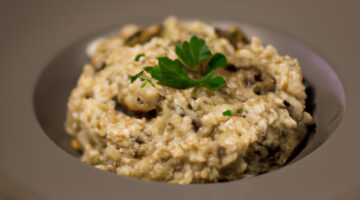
{"type": "Point", "coordinates": [194, 57]}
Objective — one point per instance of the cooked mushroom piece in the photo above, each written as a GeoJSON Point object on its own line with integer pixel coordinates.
{"type": "Point", "coordinates": [261, 81]}
{"type": "Point", "coordinates": [233, 35]}
{"type": "Point", "coordinates": [143, 36]}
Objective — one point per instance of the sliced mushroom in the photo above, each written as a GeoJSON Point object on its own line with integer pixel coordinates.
{"type": "Point", "coordinates": [310, 105]}
{"type": "Point", "coordinates": [267, 83]}
{"type": "Point", "coordinates": [251, 76]}
{"type": "Point", "coordinates": [233, 35]}
{"type": "Point", "coordinates": [261, 81]}
{"type": "Point", "coordinates": [143, 36]}
{"type": "Point", "coordinates": [231, 68]}
{"type": "Point", "coordinates": [136, 114]}
{"type": "Point", "coordinates": [196, 125]}
{"type": "Point", "coordinates": [100, 68]}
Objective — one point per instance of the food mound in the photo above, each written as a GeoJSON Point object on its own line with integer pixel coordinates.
{"type": "Point", "coordinates": [185, 102]}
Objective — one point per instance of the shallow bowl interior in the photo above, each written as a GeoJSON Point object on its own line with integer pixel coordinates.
{"type": "Point", "coordinates": [60, 76]}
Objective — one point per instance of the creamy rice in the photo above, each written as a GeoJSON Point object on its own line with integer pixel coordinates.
{"type": "Point", "coordinates": [181, 136]}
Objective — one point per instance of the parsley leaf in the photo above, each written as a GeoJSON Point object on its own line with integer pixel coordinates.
{"type": "Point", "coordinates": [171, 73]}
{"type": "Point", "coordinates": [193, 53]}
{"type": "Point", "coordinates": [217, 61]}
{"type": "Point", "coordinates": [227, 113]}
{"type": "Point", "coordinates": [212, 82]}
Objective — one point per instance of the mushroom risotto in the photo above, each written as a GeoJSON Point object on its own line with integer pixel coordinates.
{"type": "Point", "coordinates": [185, 102]}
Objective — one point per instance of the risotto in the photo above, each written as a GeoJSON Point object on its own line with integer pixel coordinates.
{"type": "Point", "coordinates": [249, 125]}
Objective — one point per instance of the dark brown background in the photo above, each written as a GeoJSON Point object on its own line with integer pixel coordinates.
{"type": "Point", "coordinates": [33, 32]}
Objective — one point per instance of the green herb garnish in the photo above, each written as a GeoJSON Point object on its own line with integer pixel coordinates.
{"type": "Point", "coordinates": [137, 58]}
{"type": "Point", "coordinates": [145, 80]}
{"type": "Point", "coordinates": [227, 113]}
{"type": "Point", "coordinates": [194, 57]}
{"type": "Point", "coordinates": [193, 53]}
